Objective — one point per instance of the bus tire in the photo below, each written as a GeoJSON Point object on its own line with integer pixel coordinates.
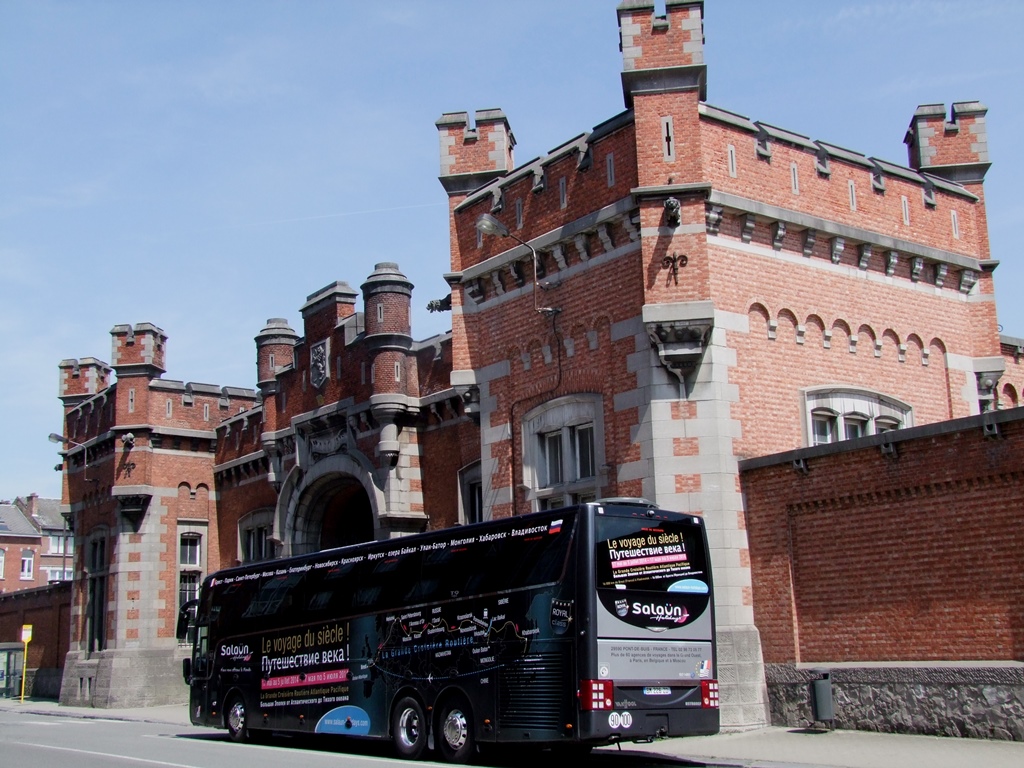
{"type": "Point", "coordinates": [409, 729]}
{"type": "Point", "coordinates": [235, 719]}
{"type": "Point", "coordinates": [454, 736]}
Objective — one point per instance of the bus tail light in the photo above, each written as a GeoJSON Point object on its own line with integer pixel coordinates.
{"type": "Point", "coordinates": [709, 694]}
{"type": "Point", "coordinates": [596, 694]}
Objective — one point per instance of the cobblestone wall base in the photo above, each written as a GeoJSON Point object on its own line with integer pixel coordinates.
{"type": "Point", "coordinates": [971, 701]}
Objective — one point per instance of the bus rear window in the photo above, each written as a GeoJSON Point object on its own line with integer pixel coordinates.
{"type": "Point", "coordinates": [649, 555]}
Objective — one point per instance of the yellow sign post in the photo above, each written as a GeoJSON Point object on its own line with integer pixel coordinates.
{"type": "Point", "coordinates": [26, 638]}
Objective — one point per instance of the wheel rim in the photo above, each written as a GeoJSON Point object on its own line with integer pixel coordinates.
{"type": "Point", "coordinates": [455, 729]}
{"type": "Point", "coordinates": [236, 717]}
{"type": "Point", "coordinates": [409, 727]}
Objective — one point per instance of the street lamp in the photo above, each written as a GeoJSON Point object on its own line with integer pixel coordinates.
{"type": "Point", "coordinates": [489, 225]}
{"type": "Point", "coordinates": [55, 438]}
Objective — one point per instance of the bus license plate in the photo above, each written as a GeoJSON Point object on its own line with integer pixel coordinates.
{"type": "Point", "coordinates": [657, 691]}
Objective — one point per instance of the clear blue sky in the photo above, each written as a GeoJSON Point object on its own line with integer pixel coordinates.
{"type": "Point", "coordinates": [205, 165]}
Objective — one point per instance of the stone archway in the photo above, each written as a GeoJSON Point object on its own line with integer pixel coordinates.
{"type": "Point", "coordinates": [334, 504]}
{"type": "Point", "coordinates": [343, 512]}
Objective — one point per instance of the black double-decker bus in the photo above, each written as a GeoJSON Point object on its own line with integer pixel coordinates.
{"type": "Point", "coordinates": [580, 626]}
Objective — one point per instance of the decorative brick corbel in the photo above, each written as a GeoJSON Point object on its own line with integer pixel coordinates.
{"type": "Point", "coordinates": [778, 234]}
{"type": "Point", "coordinates": [865, 256]}
{"type": "Point", "coordinates": [582, 247]}
{"type": "Point", "coordinates": [968, 278]}
{"type": "Point", "coordinates": [747, 222]}
{"type": "Point", "coordinates": [836, 246]}
{"type": "Point", "coordinates": [810, 237]}
{"type": "Point", "coordinates": [713, 219]}
{"type": "Point", "coordinates": [680, 343]}
{"type": "Point", "coordinates": [558, 254]}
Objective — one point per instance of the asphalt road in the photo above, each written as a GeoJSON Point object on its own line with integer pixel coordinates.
{"type": "Point", "coordinates": [42, 741]}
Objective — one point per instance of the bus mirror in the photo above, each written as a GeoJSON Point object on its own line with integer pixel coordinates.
{"type": "Point", "coordinates": [186, 670]}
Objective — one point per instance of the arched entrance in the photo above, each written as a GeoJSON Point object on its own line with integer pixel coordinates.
{"type": "Point", "coordinates": [346, 516]}
{"type": "Point", "coordinates": [332, 511]}
{"type": "Point", "coordinates": [333, 504]}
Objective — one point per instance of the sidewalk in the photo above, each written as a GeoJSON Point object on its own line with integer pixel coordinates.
{"type": "Point", "coordinates": [776, 747]}
{"type": "Point", "coordinates": [764, 748]}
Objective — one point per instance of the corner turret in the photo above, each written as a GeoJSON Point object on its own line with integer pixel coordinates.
{"type": "Point", "coordinates": [955, 149]}
{"type": "Point", "coordinates": [662, 53]}
{"type": "Point", "coordinates": [471, 157]}
{"type": "Point", "coordinates": [81, 379]}
{"type": "Point", "coordinates": [275, 347]}
{"type": "Point", "coordinates": [138, 350]}
{"type": "Point", "coordinates": [387, 299]}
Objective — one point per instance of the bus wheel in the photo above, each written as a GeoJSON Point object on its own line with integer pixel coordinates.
{"type": "Point", "coordinates": [409, 729]}
{"type": "Point", "coordinates": [455, 731]}
{"type": "Point", "coordinates": [235, 719]}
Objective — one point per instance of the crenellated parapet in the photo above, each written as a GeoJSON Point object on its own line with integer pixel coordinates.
{"type": "Point", "coordinates": [955, 148]}
{"type": "Point", "coordinates": [662, 53]}
{"type": "Point", "coordinates": [827, 182]}
{"type": "Point", "coordinates": [81, 379]}
{"type": "Point", "coordinates": [473, 155]}
{"type": "Point", "coordinates": [138, 350]}
{"type": "Point", "coordinates": [853, 250]}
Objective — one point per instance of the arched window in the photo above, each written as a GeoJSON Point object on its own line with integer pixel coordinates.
{"type": "Point", "coordinates": [563, 447]}
{"type": "Point", "coordinates": [845, 413]}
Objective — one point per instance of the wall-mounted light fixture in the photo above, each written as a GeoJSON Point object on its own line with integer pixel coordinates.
{"type": "Point", "coordinates": [489, 225]}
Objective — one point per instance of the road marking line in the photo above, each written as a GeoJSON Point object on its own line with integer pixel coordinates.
{"type": "Point", "coordinates": [102, 754]}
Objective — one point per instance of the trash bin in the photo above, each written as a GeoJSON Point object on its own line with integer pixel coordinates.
{"type": "Point", "coordinates": [821, 697]}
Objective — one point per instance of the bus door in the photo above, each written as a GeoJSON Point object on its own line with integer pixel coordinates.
{"type": "Point", "coordinates": [201, 676]}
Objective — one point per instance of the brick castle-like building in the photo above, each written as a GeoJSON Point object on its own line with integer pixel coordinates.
{"type": "Point", "coordinates": [681, 289]}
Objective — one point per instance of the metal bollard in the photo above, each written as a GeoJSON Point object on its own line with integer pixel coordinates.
{"type": "Point", "coordinates": [821, 697]}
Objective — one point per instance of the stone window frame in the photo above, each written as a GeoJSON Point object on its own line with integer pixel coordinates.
{"type": "Point", "coordinates": [730, 153]}
{"type": "Point", "coordinates": [471, 506]}
{"type": "Point", "coordinates": [95, 558]}
{"type": "Point", "coordinates": [839, 407]}
{"type": "Point", "coordinates": [185, 557]}
{"type": "Point", "coordinates": [191, 570]}
{"type": "Point", "coordinates": [29, 574]}
{"type": "Point", "coordinates": [251, 523]}
{"type": "Point", "coordinates": [564, 419]}
{"type": "Point", "coordinates": [609, 168]}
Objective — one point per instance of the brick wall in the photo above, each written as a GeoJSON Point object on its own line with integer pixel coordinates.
{"type": "Point", "coordinates": [47, 609]}
{"type": "Point", "coordinates": [867, 557]}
